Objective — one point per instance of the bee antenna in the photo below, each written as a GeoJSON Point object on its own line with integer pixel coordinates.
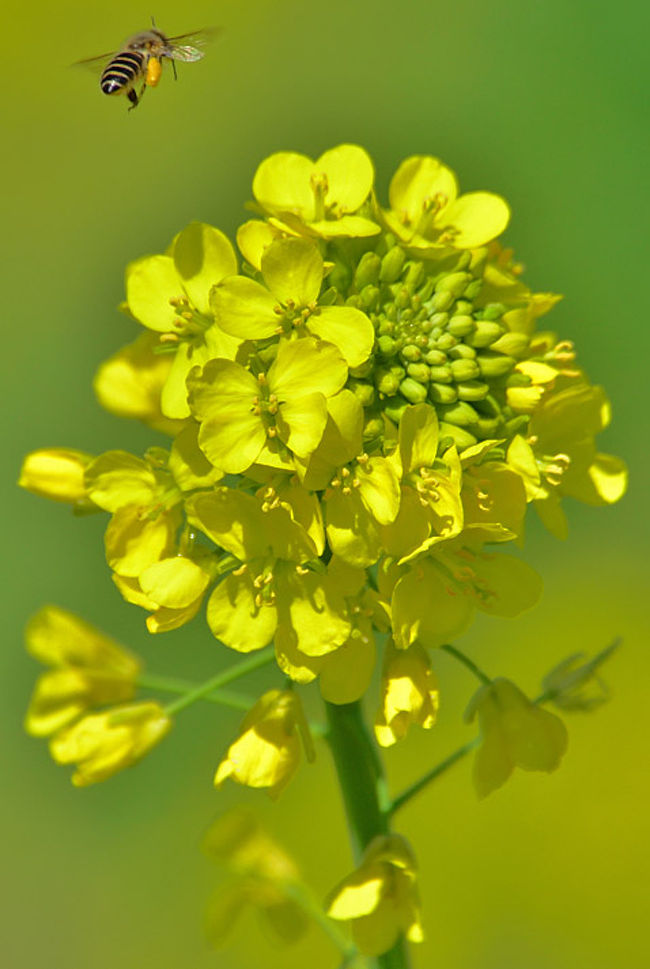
{"type": "Point", "coordinates": [153, 22]}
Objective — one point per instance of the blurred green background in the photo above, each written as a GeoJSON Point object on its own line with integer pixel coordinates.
{"type": "Point", "coordinates": [546, 103]}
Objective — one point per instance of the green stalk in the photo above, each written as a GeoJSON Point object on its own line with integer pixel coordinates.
{"type": "Point", "coordinates": [365, 796]}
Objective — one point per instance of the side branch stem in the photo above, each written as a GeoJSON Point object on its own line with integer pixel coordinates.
{"type": "Point", "coordinates": [261, 658]}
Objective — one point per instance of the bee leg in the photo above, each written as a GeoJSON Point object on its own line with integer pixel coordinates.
{"type": "Point", "coordinates": [135, 98]}
{"type": "Point", "coordinates": [174, 70]}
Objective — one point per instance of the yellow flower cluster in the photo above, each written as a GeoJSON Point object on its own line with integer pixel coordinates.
{"type": "Point", "coordinates": [360, 410]}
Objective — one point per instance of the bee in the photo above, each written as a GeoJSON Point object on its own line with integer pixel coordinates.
{"type": "Point", "coordinates": [138, 63]}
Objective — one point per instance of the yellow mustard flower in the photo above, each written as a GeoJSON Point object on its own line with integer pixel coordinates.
{"type": "Point", "coordinates": [493, 494]}
{"type": "Point", "coordinates": [515, 733]}
{"type": "Point", "coordinates": [243, 415]}
{"type": "Point", "coordinates": [558, 458]}
{"type": "Point", "coordinates": [89, 669]}
{"type": "Point", "coordinates": [267, 752]}
{"type": "Point", "coordinates": [102, 744]}
{"type": "Point", "coordinates": [345, 673]}
{"type": "Point", "coordinates": [434, 599]}
{"type": "Point", "coordinates": [56, 473]}
{"type": "Point", "coordinates": [361, 491]}
{"type": "Point", "coordinates": [292, 270]}
{"type": "Point", "coordinates": [270, 591]}
{"type": "Point", "coordinates": [431, 510]}
{"type": "Point", "coordinates": [380, 897]}
{"type": "Point", "coordinates": [427, 213]}
{"type": "Point", "coordinates": [170, 294]}
{"type": "Point", "coordinates": [322, 198]}
{"type": "Point", "coordinates": [409, 695]}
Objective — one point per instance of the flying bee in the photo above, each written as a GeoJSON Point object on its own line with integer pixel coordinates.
{"type": "Point", "coordinates": [138, 63]}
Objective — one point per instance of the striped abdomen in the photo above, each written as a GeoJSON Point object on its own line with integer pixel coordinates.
{"type": "Point", "coordinates": [122, 71]}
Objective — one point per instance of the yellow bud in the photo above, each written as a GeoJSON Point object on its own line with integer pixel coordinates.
{"type": "Point", "coordinates": [56, 473]}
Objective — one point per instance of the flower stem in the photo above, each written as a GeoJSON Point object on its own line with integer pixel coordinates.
{"type": "Point", "coordinates": [365, 796]}
{"type": "Point", "coordinates": [466, 661]}
{"type": "Point", "coordinates": [262, 658]}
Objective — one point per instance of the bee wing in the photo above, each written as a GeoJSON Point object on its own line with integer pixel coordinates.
{"type": "Point", "coordinates": [95, 63]}
{"type": "Point", "coordinates": [185, 53]}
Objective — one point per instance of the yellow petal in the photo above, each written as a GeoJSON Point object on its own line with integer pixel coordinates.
{"type": "Point", "coordinates": [203, 256]}
{"type": "Point", "coordinates": [282, 184]}
{"type": "Point", "coordinates": [417, 180]}
{"type": "Point", "coordinates": [474, 218]}
{"type": "Point", "coordinates": [350, 176]}
{"type": "Point", "coordinates": [293, 271]}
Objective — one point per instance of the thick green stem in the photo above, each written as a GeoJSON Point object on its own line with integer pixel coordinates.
{"type": "Point", "coordinates": [365, 796]}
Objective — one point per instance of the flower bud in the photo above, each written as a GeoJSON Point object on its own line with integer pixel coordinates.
{"type": "Point", "coordinates": [472, 390]}
{"type": "Point", "coordinates": [419, 372]}
{"type": "Point", "coordinates": [367, 272]}
{"type": "Point", "coordinates": [461, 414]}
{"type": "Point", "coordinates": [486, 333]}
{"type": "Point", "coordinates": [495, 366]}
{"type": "Point", "coordinates": [460, 325]}
{"type": "Point", "coordinates": [56, 473]}
{"type": "Point", "coordinates": [392, 264]}
{"type": "Point", "coordinates": [443, 393]}
{"type": "Point", "coordinates": [464, 369]}
{"type": "Point", "coordinates": [414, 392]}
{"type": "Point", "coordinates": [453, 283]}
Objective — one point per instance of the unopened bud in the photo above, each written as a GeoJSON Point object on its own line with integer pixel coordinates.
{"type": "Point", "coordinates": [367, 272]}
{"type": "Point", "coordinates": [392, 264]}
{"type": "Point", "coordinates": [472, 390]}
{"type": "Point", "coordinates": [461, 325]}
{"type": "Point", "coordinates": [464, 369]}
{"type": "Point", "coordinates": [486, 332]}
{"type": "Point", "coordinates": [495, 366]}
{"type": "Point", "coordinates": [414, 392]}
{"type": "Point", "coordinates": [443, 393]}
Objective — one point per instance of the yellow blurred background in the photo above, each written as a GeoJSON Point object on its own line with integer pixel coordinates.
{"type": "Point", "coordinates": [545, 103]}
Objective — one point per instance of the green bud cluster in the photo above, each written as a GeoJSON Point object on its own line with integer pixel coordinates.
{"type": "Point", "coordinates": [437, 341]}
